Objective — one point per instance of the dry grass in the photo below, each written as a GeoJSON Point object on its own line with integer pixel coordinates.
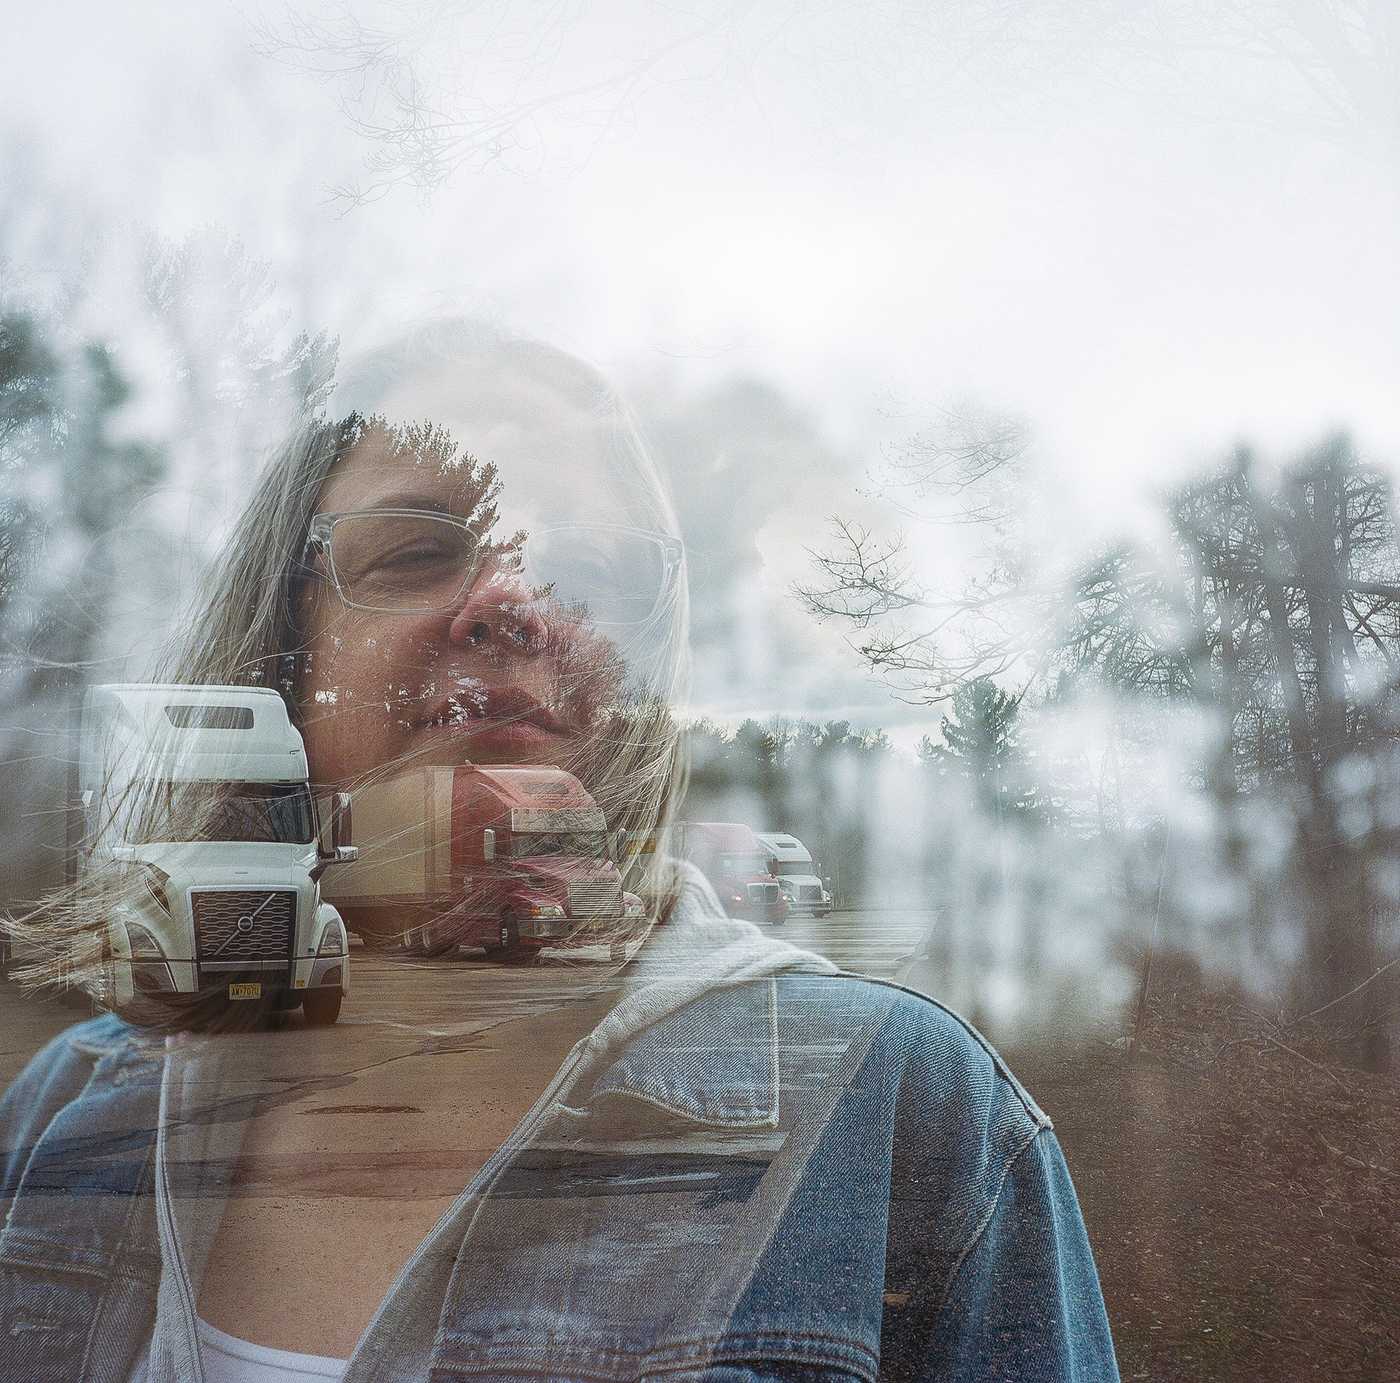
{"type": "Point", "coordinates": [1242, 1189]}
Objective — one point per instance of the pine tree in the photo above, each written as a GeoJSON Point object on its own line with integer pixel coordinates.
{"type": "Point", "coordinates": [981, 743]}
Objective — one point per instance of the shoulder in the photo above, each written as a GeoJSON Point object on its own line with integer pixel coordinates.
{"type": "Point", "coordinates": [952, 1100]}
{"type": "Point", "coordinates": [964, 1150]}
{"type": "Point", "coordinates": [74, 1052]}
{"type": "Point", "coordinates": [941, 1131]}
{"type": "Point", "coordinates": [928, 1032]}
{"type": "Point", "coordinates": [58, 1074]}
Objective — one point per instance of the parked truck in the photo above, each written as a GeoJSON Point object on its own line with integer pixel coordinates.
{"type": "Point", "coordinates": [791, 863]}
{"type": "Point", "coordinates": [735, 862]}
{"type": "Point", "coordinates": [508, 858]}
{"type": "Point", "coordinates": [203, 793]}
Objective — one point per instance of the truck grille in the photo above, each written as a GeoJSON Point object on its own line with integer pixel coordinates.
{"type": "Point", "coordinates": [595, 900]}
{"type": "Point", "coordinates": [763, 893]}
{"type": "Point", "coordinates": [809, 893]}
{"type": "Point", "coordinates": [244, 925]}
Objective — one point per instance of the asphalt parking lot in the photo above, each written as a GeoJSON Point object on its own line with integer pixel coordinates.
{"type": "Point", "coordinates": [467, 994]}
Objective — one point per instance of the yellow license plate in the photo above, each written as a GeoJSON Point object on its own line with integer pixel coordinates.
{"type": "Point", "coordinates": [245, 991]}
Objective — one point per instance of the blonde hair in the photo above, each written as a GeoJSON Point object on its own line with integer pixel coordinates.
{"type": "Point", "coordinates": [248, 630]}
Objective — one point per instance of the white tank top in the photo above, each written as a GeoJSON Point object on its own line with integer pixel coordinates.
{"type": "Point", "coordinates": [227, 1359]}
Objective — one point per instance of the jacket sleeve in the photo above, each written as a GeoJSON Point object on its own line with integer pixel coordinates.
{"type": "Point", "coordinates": [989, 1277]}
{"type": "Point", "coordinates": [1024, 1305]}
{"type": "Point", "coordinates": [54, 1076]}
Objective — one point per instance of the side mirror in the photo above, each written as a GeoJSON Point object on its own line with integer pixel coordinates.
{"type": "Point", "coordinates": [86, 805]}
{"type": "Point", "coordinates": [341, 851]}
{"type": "Point", "coordinates": [124, 854]}
{"type": "Point", "coordinates": [488, 845]}
{"type": "Point", "coordinates": [341, 824]}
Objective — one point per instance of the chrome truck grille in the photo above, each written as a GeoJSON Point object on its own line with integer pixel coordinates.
{"type": "Point", "coordinates": [240, 928]}
{"type": "Point", "coordinates": [595, 900]}
{"type": "Point", "coordinates": [763, 893]}
{"type": "Point", "coordinates": [809, 893]}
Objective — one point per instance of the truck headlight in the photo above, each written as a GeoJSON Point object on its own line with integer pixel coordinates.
{"type": "Point", "coordinates": [547, 910]}
{"type": "Point", "coordinates": [143, 945]}
{"type": "Point", "coordinates": [157, 881]}
{"type": "Point", "coordinates": [635, 909]}
{"type": "Point", "coordinates": [332, 941]}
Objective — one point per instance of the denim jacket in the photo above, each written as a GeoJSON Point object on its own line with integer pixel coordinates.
{"type": "Point", "coordinates": [796, 1176]}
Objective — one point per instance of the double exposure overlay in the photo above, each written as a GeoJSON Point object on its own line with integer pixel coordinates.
{"type": "Point", "coordinates": [699, 694]}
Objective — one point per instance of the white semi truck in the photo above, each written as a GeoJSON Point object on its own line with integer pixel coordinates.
{"type": "Point", "coordinates": [203, 792]}
{"type": "Point", "coordinates": [792, 865]}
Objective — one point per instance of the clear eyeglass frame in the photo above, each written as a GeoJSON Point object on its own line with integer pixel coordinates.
{"type": "Point", "coordinates": [322, 527]}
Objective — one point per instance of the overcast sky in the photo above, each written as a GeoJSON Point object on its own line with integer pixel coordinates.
{"type": "Point", "coordinates": [1148, 228]}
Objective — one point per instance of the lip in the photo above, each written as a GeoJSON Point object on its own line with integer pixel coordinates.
{"type": "Point", "coordinates": [510, 711]}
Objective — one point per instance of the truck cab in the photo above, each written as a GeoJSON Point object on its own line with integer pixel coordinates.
{"type": "Point", "coordinates": [736, 863]}
{"type": "Point", "coordinates": [201, 793]}
{"type": "Point", "coordinates": [511, 859]}
{"type": "Point", "coordinates": [791, 863]}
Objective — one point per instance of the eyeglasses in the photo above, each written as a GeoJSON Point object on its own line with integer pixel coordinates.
{"type": "Point", "coordinates": [416, 561]}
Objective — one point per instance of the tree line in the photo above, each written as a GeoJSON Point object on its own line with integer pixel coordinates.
{"type": "Point", "coordinates": [1268, 611]}
{"type": "Point", "coordinates": [825, 782]}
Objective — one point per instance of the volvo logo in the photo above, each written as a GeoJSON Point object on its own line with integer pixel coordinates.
{"type": "Point", "coordinates": [245, 923]}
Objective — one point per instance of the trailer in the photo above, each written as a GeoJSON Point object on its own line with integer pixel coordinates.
{"type": "Point", "coordinates": [507, 858]}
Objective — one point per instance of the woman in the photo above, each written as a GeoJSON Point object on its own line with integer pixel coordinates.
{"type": "Point", "coordinates": [725, 1161]}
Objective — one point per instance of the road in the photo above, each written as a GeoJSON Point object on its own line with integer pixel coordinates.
{"type": "Point", "coordinates": [458, 997]}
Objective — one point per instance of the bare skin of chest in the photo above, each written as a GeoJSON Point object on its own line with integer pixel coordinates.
{"type": "Point", "coordinates": [334, 1193]}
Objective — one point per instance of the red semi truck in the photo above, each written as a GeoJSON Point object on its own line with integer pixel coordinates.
{"type": "Point", "coordinates": [512, 859]}
{"type": "Point", "coordinates": [735, 862]}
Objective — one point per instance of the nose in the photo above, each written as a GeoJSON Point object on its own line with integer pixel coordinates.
{"type": "Point", "coordinates": [500, 612]}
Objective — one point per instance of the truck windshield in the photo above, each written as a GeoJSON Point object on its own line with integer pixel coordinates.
{"type": "Point", "coordinates": [588, 844]}
{"type": "Point", "coordinates": [742, 866]}
{"type": "Point", "coordinates": [269, 813]}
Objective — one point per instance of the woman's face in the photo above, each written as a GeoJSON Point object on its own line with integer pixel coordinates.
{"type": "Point", "coordinates": [504, 675]}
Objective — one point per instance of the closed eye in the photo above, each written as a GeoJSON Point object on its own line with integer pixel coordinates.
{"type": "Point", "coordinates": [409, 556]}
